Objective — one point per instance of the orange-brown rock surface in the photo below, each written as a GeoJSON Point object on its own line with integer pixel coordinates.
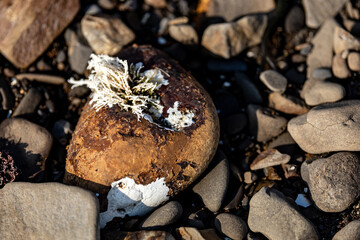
{"type": "Point", "coordinates": [109, 144]}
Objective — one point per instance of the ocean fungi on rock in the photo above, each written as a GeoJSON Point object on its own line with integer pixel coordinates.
{"type": "Point", "coordinates": [147, 123]}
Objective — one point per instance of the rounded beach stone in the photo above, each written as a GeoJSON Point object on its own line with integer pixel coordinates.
{"type": "Point", "coordinates": [231, 225]}
{"type": "Point", "coordinates": [274, 80]}
{"type": "Point", "coordinates": [110, 144]}
{"type": "Point", "coordinates": [349, 232]}
{"type": "Point", "coordinates": [353, 61]}
{"type": "Point", "coordinates": [328, 127]}
{"type": "Point", "coordinates": [334, 182]}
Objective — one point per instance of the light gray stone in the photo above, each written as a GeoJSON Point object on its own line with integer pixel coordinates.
{"type": "Point", "coordinates": [321, 73]}
{"type": "Point", "coordinates": [334, 182]}
{"type": "Point", "coordinates": [265, 123]}
{"type": "Point", "coordinates": [106, 34]}
{"type": "Point", "coordinates": [212, 188]}
{"type": "Point", "coordinates": [230, 39]}
{"type": "Point", "coordinates": [231, 225]}
{"type": "Point", "coordinates": [47, 211]}
{"type": "Point", "coordinates": [184, 33]}
{"type": "Point", "coordinates": [163, 216]}
{"type": "Point", "coordinates": [328, 127]}
{"type": "Point", "coordinates": [323, 92]}
{"type": "Point", "coordinates": [231, 9]}
{"type": "Point", "coordinates": [350, 232]}
{"type": "Point", "coordinates": [276, 217]}
{"type": "Point", "coordinates": [317, 11]}
{"type": "Point", "coordinates": [274, 81]}
{"type": "Point", "coordinates": [343, 40]}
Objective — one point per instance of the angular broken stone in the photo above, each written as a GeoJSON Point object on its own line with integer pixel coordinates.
{"type": "Point", "coordinates": [106, 34]}
{"type": "Point", "coordinates": [328, 127]}
{"type": "Point", "coordinates": [29, 27]}
{"type": "Point", "coordinates": [269, 158]}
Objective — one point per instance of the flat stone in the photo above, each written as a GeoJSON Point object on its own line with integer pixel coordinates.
{"type": "Point", "coordinates": [43, 78]}
{"type": "Point", "coordinates": [213, 186]}
{"type": "Point", "coordinates": [269, 158]}
{"type": "Point", "coordinates": [274, 81]}
{"type": "Point", "coordinates": [339, 67]}
{"type": "Point", "coordinates": [285, 144]}
{"type": "Point", "coordinates": [265, 123]}
{"type": "Point", "coordinates": [189, 233]}
{"type": "Point", "coordinates": [275, 216]}
{"type": "Point", "coordinates": [294, 20]}
{"type": "Point", "coordinates": [353, 61]}
{"type": "Point", "coordinates": [231, 9]}
{"type": "Point", "coordinates": [287, 104]}
{"type": "Point", "coordinates": [229, 39]}
{"type": "Point", "coordinates": [323, 92]}
{"type": "Point", "coordinates": [29, 27]}
{"type": "Point", "coordinates": [47, 211]}
{"type": "Point", "coordinates": [29, 104]}
{"type": "Point", "coordinates": [231, 225]}
{"type": "Point", "coordinates": [317, 11]}
{"type": "Point", "coordinates": [350, 232]}
{"type": "Point", "coordinates": [184, 33]}
{"type": "Point", "coordinates": [322, 52]}
{"type": "Point", "coordinates": [78, 52]}
{"type": "Point", "coordinates": [28, 144]}
{"type": "Point", "coordinates": [328, 127]}
{"type": "Point", "coordinates": [334, 182]}
{"type": "Point", "coordinates": [343, 40]}
{"type": "Point", "coordinates": [163, 216]}
{"type": "Point", "coordinates": [321, 73]}
{"type": "Point", "coordinates": [106, 34]}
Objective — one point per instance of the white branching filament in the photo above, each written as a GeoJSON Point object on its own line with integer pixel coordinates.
{"type": "Point", "coordinates": [113, 82]}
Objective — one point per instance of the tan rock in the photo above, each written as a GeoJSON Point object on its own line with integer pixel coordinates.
{"type": "Point", "coordinates": [269, 158]}
{"type": "Point", "coordinates": [29, 26]}
{"type": "Point", "coordinates": [353, 61]}
{"type": "Point", "coordinates": [339, 67]}
{"type": "Point", "coordinates": [287, 104]}
{"type": "Point", "coordinates": [343, 40]}
{"type": "Point", "coordinates": [109, 144]}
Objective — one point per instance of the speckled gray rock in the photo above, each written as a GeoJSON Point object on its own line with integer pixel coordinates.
{"type": "Point", "coordinates": [317, 11]}
{"type": "Point", "coordinates": [47, 211]}
{"type": "Point", "coordinates": [265, 123]}
{"type": "Point", "coordinates": [328, 127]}
{"type": "Point", "coordinates": [339, 67]}
{"type": "Point", "coordinates": [229, 39]}
{"type": "Point", "coordinates": [323, 92]}
{"type": "Point", "coordinates": [334, 182]}
{"type": "Point", "coordinates": [106, 34]}
{"type": "Point", "coordinates": [184, 33]}
{"type": "Point", "coordinates": [274, 81]}
{"type": "Point", "coordinates": [353, 61]}
{"type": "Point", "coordinates": [275, 216]}
{"type": "Point", "coordinates": [231, 225]}
{"type": "Point", "coordinates": [163, 216]}
{"type": "Point", "coordinates": [349, 232]}
{"type": "Point", "coordinates": [212, 188]}
{"type": "Point", "coordinates": [29, 145]}
{"type": "Point", "coordinates": [321, 73]}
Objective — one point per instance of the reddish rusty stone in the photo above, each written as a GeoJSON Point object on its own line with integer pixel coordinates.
{"type": "Point", "coordinates": [109, 144]}
{"type": "Point", "coordinates": [29, 26]}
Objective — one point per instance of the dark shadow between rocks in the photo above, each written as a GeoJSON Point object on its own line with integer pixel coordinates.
{"type": "Point", "coordinates": [31, 165]}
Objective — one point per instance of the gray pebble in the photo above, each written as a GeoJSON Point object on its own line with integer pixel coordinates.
{"type": "Point", "coordinates": [294, 20]}
{"type": "Point", "coordinates": [350, 232]}
{"type": "Point", "coordinates": [231, 225]}
{"type": "Point", "coordinates": [274, 215]}
{"type": "Point", "coordinates": [334, 182]}
{"type": "Point", "coordinates": [29, 104]}
{"type": "Point", "coordinates": [274, 81]}
{"type": "Point", "coordinates": [321, 73]}
{"type": "Point", "coordinates": [213, 186]}
{"type": "Point", "coordinates": [163, 216]}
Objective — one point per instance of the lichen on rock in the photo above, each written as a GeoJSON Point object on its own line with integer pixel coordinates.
{"type": "Point", "coordinates": [8, 171]}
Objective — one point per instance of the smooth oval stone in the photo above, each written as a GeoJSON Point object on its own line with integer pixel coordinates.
{"type": "Point", "coordinates": [334, 182]}
{"type": "Point", "coordinates": [328, 127]}
{"type": "Point", "coordinates": [274, 81]}
{"type": "Point", "coordinates": [323, 92]}
{"type": "Point", "coordinates": [231, 225]}
{"type": "Point", "coordinates": [349, 232]}
{"type": "Point", "coordinates": [275, 216]}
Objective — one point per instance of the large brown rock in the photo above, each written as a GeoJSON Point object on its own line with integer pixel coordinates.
{"type": "Point", "coordinates": [29, 26]}
{"type": "Point", "coordinates": [110, 144]}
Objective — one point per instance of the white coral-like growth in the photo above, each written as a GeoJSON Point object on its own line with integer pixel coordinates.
{"type": "Point", "coordinates": [113, 82]}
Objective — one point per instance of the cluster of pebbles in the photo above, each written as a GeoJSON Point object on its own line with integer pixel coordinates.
{"type": "Point", "coordinates": [283, 77]}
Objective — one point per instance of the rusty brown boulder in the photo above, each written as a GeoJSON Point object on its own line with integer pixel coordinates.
{"type": "Point", "coordinates": [110, 144]}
